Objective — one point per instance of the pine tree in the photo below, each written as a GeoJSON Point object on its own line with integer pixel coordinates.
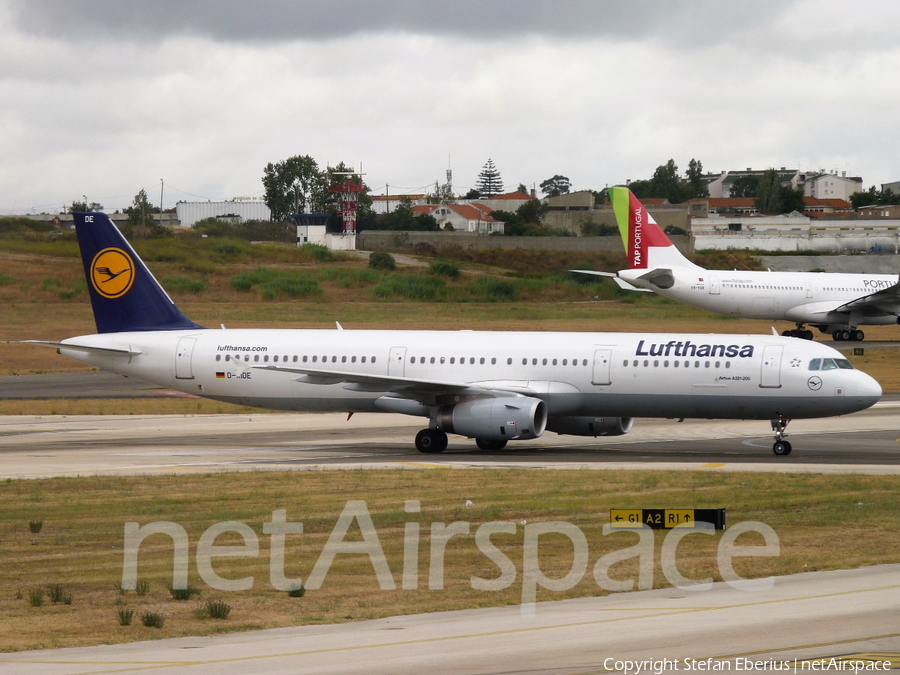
{"type": "Point", "coordinates": [489, 182]}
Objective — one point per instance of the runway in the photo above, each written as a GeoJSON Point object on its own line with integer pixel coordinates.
{"type": "Point", "coordinates": [817, 615]}
{"type": "Point", "coordinates": [42, 446]}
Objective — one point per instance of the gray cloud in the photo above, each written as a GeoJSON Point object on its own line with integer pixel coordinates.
{"type": "Point", "coordinates": [672, 21]}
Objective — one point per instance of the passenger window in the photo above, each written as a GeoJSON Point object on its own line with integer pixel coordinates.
{"type": "Point", "coordinates": [656, 364]}
{"type": "Point", "coordinates": [493, 361]}
{"type": "Point", "coordinates": [343, 359]}
{"type": "Point", "coordinates": [256, 358]}
{"type": "Point", "coordinates": [295, 359]}
{"type": "Point", "coordinates": [315, 358]}
{"type": "Point", "coordinates": [584, 362]}
{"type": "Point", "coordinates": [266, 358]}
{"type": "Point", "coordinates": [646, 363]}
{"type": "Point", "coordinates": [728, 364]}
{"type": "Point", "coordinates": [706, 365]}
{"type": "Point", "coordinates": [554, 362]}
{"type": "Point", "coordinates": [534, 362]}
{"type": "Point", "coordinates": [373, 359]}
{"type": "Point", "coordinates": [246, 358]}
{"type": "Point", "coordinates": [696, 364]}
{"type": "Point", "coordinates": [452, 359]}
{"type": "Point", "coordinates": [275, 358]}
{"type": "Point", "coordinates": [432, 359]}
{"type": "Point", "coordinates": [544, 362]}
{"type": "Point", "coordinates": [624, 363]}
{"type": "Point", "coordinates": [304, 358]}
{"type": "Point", "coordinates": [565, 362]}
{"type": "Point", "coordinates": [219, 357]}
{"type": "Point", "coordinates": [635, 363]}
{"type": "Point", "coordinates": [363, 359]}
{"type": "Point", "coordinates": [524, 362]}
{"type": "Point", "coordinates": [675, 363]}
{"type": "Point", "coordinates": [442, 359]}
{"type": "Point", "coordinates": [665, 364]}
{"type": "Point", "coordinates": [334, 359]}
{"type": "Point", "coordinates": [481, 360]}
{"type": "Point", "coordinates": [509, 361]}
{"type": "Point", "coordinates": [352, 359]}
{"type": "Point", "coordinates": [815, 364]}
{"type": "Point", "coordinates": [472, 360]}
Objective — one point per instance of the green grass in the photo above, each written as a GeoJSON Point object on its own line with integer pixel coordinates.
{"type": "Point", "coordinates": [822, 522]}
{"type": "Point", "coordinates": [272, 283]}
{"type": "Point", "coordinates": [184, 285]}
{"type": "Point", "coordinates": [412, 286]}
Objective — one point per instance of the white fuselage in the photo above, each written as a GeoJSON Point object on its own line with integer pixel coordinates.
{"type": "Point", "coordinates": [609, 374]}
{"type": "Point", "coordinates": [800, 297]}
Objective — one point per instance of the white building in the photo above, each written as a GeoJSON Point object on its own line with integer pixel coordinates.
{"type": "Point", "coordinates": [236, 210]}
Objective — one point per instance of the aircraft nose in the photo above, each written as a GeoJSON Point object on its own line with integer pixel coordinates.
{"type": "Point", "coordinates": [869, 388]}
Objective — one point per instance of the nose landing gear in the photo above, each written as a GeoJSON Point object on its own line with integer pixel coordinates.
{"type": "Point", "coordinates": [781, 446]}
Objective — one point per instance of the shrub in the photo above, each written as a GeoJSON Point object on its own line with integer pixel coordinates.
{"type": "Point", "coordinates": [5, 279]}
{"type": "Point", "coordinates": [272, 283]}
{"type": "Point", "coordinates": [318, 252]}
{"type": "Point", "coordinates": [382, 261]}
{"type": "Point", "coordinates": [142, 587]}
{"type": "Point", "coordinates": [57, 593]}
{"type": "Point", "coordinates": [35, 526]}
{"type": "Point", "coordinates": [152, 619]}
{"type": "Point", "coordinates": [297, 592]}
{"type": "Point", "coordinates": [184, 593]}
{"type": "Point", "coordinates": [125, 616]}
{"type": "Point", "coordinates": [217, 609]}
{"type": "Point", "coordinates": [36, 597]}
{"type": "Point", "coordinates": [183, 285]}
{"type": "Point", "coordinates": [411, 286]}
{"type": "Point", "coordinates": [445, 268]}
{"type": "Point", "coordinates": [488, 289]}
{"type": "Point", "coordinates": [49, 284]}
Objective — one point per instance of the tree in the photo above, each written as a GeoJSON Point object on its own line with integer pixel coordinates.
{"type": "Point", "coordinates": [666, 183]}
{"type": "Point", "coordinates": [443, 194]}
{"type": "Point", "coordinates": [745, 186]}
{"type": "Point", "coordinates": [83, 207]}
{"type": "Point", "coordinates": [139, 211]}
{"type": "Point", "coordinates": [768, 193]}
{"type": "Point", "coordinates": [556, 186]}
{"type": "Point", "coordinates": [295, 185]}
{"type": "Point", "coordinates": [532, 212]}
{"type": "Point", "coordinates": [774, 197]}
{"type": "Point", "coordinates": [873, 197]}
{"type": "Point", "coordinates": [489, 182]}
{"type": "Point", "coordinates": [472, 194]}
{"type": "Point", "coordinates": [696, 185]}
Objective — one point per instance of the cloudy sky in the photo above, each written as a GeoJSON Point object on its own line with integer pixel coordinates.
{"type": "Point", "coordinates": [103, 98]}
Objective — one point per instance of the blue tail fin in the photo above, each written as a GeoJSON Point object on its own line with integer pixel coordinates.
{"type": "Point", "coordinates": [124, 295]}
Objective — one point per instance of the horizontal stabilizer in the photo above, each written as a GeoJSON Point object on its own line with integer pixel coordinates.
{"type": "Point", "coordinates": [83, 348]}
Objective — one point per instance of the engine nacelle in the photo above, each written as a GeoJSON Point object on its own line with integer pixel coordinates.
{"type": "Point", "coordinates": [590, 426]}
{"type": "Point", "coordinates": [495, 419]}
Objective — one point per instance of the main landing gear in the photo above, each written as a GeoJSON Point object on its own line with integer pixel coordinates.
{"type": "Point", "coordinates": [431, 441]}
{"type": "Point", "coordinates": [849, 334]}
{"type": "Point", "coordinates": [781, 447]}
{"type": "Point", "coordinates": [799, 332]}
{"type": "Point", "coordinates": [434, 441]}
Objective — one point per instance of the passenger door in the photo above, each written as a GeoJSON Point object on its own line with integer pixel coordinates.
{"type": "Point", "coordinates": [602, 359]}
{"type": "Point", "coordinates": [183, 354]}
{"type": "Point", "coordinates": [397, 362]}
{"type": "Point", "coordinates": [770, 377]}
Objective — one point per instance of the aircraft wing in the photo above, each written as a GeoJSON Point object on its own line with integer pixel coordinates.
{"type": "Point", "coordinates": [424, 391]}
{"type": "Point", "coordinates": [621, 283]}
{"type": "Point", "coordinates": [886, 300]}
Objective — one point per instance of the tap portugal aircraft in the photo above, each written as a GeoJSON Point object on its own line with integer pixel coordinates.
{"type": "Point", "coordinates": [494, 387]}
{"type": "Point", "coordinates": [833, 303]}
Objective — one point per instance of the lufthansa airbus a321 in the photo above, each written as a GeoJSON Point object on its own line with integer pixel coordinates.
{"type": "Point", "coordinates": [494, 387]}
{"type": "Point", "coordinates": [834, 303]}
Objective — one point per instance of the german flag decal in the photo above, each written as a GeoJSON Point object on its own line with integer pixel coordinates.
{"type": "Point", "coordinates": [220, 376]}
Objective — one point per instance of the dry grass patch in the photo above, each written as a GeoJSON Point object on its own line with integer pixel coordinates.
{"type": "Point", "coordinates": [823, 522]}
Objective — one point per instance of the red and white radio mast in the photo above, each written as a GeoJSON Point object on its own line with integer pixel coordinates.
{"type": "Point", "coordinates": [350, 199]}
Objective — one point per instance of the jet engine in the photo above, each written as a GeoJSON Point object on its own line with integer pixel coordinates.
{"type": "Point", "coordinates": [590, 426]}
{"type": "Point", "coordinates": [495, 419]}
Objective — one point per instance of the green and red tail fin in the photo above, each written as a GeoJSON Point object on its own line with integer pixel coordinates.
{"type": "Point", "coordinates": [646, 245]}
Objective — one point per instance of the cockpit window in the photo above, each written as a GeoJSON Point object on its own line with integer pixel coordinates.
{"type": "Point", "coordinates": [844, 364]}
{"type": "Point", "coordinates": [815, 364]}
{"type": "Point", "coordinates": [829, 364]}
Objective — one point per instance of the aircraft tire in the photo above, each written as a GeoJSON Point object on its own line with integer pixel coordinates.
{"type": "Point", "coordinates": [431, 441]}
{"type": "Point", "coordinates": [858, 335]}
{"type": "Point", "coordinates": [807, 335]}
{"type": "Point", "coordinates": [489, 445]}
{"type": "Point", "coordinates": [782, 448]}
{"type": "Point", "coordinates": [787, 333]}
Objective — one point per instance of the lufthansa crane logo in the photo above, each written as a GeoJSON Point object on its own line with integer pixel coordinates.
{"type": "Point", "coordinates": [112, 272]}
{"type": "Point", "coordinates": [814, 383]}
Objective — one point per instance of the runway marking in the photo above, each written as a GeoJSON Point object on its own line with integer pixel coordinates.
{"type": "Point", "coordinates": [145, 665]}
{"type": "Point", "coordinates": [425, 464]}
{"type": "Point", "coordinates": [713, 465]}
